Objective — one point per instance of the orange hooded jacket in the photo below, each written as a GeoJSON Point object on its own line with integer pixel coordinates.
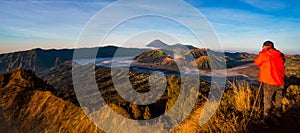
{"type": "Point", "coordinates": [271, 63]}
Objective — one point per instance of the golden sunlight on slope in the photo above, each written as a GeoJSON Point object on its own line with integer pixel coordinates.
{"type": "Point", "coordinates": [27, 107]}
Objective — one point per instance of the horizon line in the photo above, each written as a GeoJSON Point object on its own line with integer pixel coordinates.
{"type": "Point", "coordinates": [113, 45]}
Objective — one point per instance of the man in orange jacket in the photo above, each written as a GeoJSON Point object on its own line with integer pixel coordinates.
{"type": "Point", "coordinates": [271, 75]}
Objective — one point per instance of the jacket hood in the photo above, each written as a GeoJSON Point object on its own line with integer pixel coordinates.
{"type": "Point", "coordinates": [273, 52]}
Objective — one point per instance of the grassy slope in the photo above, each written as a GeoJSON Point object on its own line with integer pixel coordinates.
{"type": "Point", "coordinates": [28, 105]}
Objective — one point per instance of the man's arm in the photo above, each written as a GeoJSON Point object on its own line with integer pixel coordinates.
{"type": "Point", "coordinates": [283, 56]}
{"type": "Point", "coordinates": [259, 60]}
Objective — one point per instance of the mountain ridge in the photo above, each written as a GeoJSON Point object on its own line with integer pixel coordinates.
{"type": "Point", "coordinates": [28, 104]}
{"type": "Point", "coordinates": [39, 60]}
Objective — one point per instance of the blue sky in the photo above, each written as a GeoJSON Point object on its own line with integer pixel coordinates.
{"type": "Point", "coordinates": [241, 25]}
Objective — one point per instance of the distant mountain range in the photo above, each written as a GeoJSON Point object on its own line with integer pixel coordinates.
{"type": "Point", "coordinates": [39, 60]}
{"type": "Point", "coordinates": [161, 45]}
{"type": "Point", "coordinates": [165, 59]}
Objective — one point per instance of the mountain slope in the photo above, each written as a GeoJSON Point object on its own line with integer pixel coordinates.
{"type": "Point", "coordinates": [36, 59]}
{"type": "Point", "coordinates": [60, 77]}
{"type": "Point", "coordinates": [39, 60]}
{"type": "Point", "coordinates": [157, 44]}
{"type": "Point", "coordinates": [156, 59]}
{"type": "Point", "coordinates": [151, 56]}
{"type": "Point", "coordinates": [27, 104]}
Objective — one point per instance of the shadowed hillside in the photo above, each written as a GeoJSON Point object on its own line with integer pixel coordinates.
{"type": "Point", "coordinates": [36, 59]}
{"type": "Point", "coordinates": [60, 77]}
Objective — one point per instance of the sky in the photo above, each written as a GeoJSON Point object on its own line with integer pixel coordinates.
{"type": "Point", "coordinates": [239, 25]}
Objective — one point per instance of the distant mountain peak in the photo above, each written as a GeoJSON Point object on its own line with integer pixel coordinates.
{"type": "Point", "coordinates": [182, 46]}
{"type": "Point", "coordinates": [157, 41]}
{"type": "Point", "coordinates": [38, 49]}
{"type": "Point", "coordinates": [157, 44]}
{"type": "Point", "coordinates": [160, 44]}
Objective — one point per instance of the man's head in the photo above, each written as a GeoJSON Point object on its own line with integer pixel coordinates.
{"type": "Point", "coordinates": [268, 44]}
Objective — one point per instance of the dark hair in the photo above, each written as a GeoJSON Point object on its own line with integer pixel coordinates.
{"type": "Point", "coordinates": [269, 43]}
